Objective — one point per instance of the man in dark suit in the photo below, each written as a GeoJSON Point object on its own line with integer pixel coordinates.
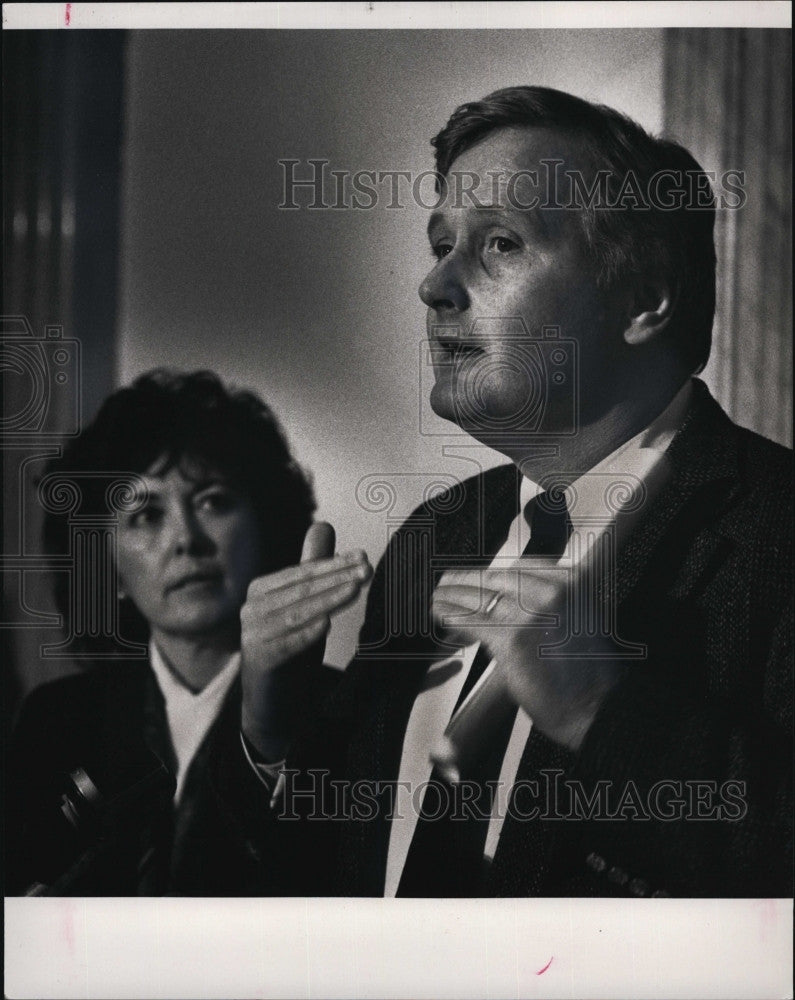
{"type": "Point", "coordinates": [616, 664]}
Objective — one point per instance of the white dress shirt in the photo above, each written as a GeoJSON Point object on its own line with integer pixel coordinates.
{"type": "Point", "coordinates": [190, 715]}
{"type": "Point", "coordinates": [639, 461]}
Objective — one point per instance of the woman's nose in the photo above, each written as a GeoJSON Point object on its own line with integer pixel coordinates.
{"type": "Point", "coordinates": [187, 535]}
{"type": "Point", "coordinates": [444, 288]}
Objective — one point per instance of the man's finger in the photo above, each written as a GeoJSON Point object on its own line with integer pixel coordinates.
{"type": "Point", "coordinates": [453, 614]}
{"type": "Point", "coordinates": [303, 590]}
{"type": "Point", "coordinates": [298, 641]}
{"type": "Point", "coordinates": [506, 579]}
{"type": "Point", "coordinates": [319, 542]}
{"type": "Point", "coordinates": [469, 598]}
{"type": "Point", "coordinates": [309, 571]}
{"type": "Point", "coordinates": [454, 622]}
{"type": "Point", "coordinates": [295, 615]}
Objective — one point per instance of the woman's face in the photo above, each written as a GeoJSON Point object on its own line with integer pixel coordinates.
{"type": "Point", "coordinates": [187, 556]}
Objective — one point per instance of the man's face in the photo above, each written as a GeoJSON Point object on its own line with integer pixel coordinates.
{"type": "Point", "coordinates": [500, 264]}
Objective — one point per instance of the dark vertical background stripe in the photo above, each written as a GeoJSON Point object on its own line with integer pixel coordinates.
{"type": "Point", "coordinates": [727, 96]}
{"type": "Point", "coordinates": [63, 113]}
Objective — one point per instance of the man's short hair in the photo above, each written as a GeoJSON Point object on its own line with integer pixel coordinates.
{"type": "Point", "coordinates": [192, 421]}
{"type": "Point", "coordinates": [627, 243]}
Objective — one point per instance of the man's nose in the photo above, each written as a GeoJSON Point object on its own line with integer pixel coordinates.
{"type": "Point", "coordinates": [444, 288]}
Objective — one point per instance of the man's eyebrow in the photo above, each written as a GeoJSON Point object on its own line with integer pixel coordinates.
{"type": "Point", "coordinates": [437, 216]}
{"type": "Point", "coordinates": [435, 219]}
{"type": "Point", "coordinates": [534, 213]}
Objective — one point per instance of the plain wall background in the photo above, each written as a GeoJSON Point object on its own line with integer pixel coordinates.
{"type": "Point", "coordinates": [318, 310]}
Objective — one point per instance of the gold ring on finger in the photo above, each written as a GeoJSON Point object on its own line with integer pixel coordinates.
{"type": "Point", "coordinates": [493, 602]}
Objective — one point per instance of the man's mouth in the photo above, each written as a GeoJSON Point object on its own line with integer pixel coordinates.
{"type": "Point", "coordinates": [453, 352]}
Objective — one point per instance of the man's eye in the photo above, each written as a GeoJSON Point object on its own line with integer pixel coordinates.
{"type": "Point", "coordinates": [502, 244]}
{"type": "Point", "coordinates": [440, 250]}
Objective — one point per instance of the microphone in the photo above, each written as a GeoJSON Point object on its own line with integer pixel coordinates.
{"type": "Point", "coordinates": [104, 811]}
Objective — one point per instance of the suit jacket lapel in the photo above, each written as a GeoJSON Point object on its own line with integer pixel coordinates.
{"type": "Point", "coordinates": [194, 814]}
{"type": "Point", "coordinates": [703, 457]}
{"type": "Point", "coordinates": [464, 533]}
{"type": "Point", "coordinates": [133, 720]}
{"type": "Point", "coordinates": [703, 482]}
{"type": "Point", "coordinates": [133, 713]}
{"type": "Point", "coordinates": [472, 534]}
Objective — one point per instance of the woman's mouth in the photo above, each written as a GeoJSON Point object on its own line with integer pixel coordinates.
{"type": "Point", "coordinates": [201, 578]}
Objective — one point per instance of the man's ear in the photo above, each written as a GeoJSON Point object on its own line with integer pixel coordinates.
{"type": "Point", "coordinates": [650, 312]}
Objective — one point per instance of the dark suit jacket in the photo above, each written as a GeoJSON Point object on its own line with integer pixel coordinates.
{"type": "Point", "coordinates": [705, 583]}
{"type": "Point", "coordinates": [101, 720]}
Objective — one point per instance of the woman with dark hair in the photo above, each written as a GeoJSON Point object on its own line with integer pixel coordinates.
{"type": "Point", "coordinates": [214, 500]}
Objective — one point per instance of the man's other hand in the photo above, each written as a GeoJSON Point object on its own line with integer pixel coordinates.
{"type": "Point", "coordinates": [517, 612]}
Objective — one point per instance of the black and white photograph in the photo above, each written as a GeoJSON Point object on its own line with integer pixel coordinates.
{"type": "Point", "coordinates": [397, 475]}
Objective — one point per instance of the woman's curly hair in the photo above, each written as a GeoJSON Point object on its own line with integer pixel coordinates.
{"type": "Point", "coordinates": [193, 419]}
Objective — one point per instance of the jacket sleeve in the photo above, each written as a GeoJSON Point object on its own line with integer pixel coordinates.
{"type": "Point", "coordinates": [699, 786]}
{"type": "Point", "coordinates": [289, 846]}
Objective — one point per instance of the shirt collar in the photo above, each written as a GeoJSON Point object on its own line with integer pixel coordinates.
{"type": "Point", "coordinates": [634, 457]}
{"type": "Point", "coordinates": [190, 715]}
{"type": "Point", "coordinates": [173, 689]}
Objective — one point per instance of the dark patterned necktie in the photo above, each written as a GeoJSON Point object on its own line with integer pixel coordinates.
{"type": "Point", "coordinates": [446, 853]}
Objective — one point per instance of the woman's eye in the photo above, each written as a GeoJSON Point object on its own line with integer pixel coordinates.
{"type": "Point", "coordinates": [502, 244]}
{"type": "Point", "coordinates": [145, 518]}
{"type": "Point", "coordinates": [217, 502]}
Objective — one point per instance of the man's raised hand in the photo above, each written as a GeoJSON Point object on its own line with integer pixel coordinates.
{"type": "Point", "coordinates": [284, 623]}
